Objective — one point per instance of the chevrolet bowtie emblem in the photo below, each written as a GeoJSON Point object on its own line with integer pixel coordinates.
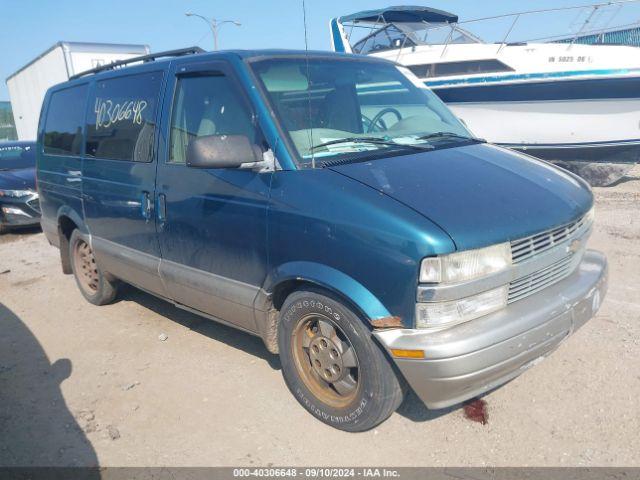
{"type": "Point", "coordinates": [574, 246]}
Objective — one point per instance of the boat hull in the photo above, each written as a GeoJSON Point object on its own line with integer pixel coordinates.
{"type": "Point", "coordinates": [601, 164]}
{"type": "Point", "coordinates": [574, 123]}
{"type": "Point", "coordinates": [602, 152]}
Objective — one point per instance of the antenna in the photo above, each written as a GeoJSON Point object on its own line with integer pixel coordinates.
{"type": "Point", "coordinates": [306, 51]}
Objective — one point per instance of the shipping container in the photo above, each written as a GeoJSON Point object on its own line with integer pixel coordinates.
{"type": "Point", "coordinates": [28, 85]}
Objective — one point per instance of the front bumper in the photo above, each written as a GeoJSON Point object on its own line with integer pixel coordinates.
{"type": "Point", "coordinates": [467, 360]}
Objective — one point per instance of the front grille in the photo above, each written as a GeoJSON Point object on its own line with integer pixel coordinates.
{"type": "Point", "coordinates": [528, 247]}
{"type": "Point", "coordinates": [35, 204]}
{"type": "Point", "coordinates": [531, 247]}
{"type": "Point", "coordinates": [536, 281]}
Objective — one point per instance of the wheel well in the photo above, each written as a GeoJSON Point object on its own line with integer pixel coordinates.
{"type": "Point", "coordinates": [286, 288]}
{"type": "Point", "coordinates": [280, 294]}
{"type": "Point", "coordinates": [66, 226]}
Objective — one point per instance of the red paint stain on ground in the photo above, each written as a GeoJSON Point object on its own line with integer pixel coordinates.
{"type": "Point", "coordinates": [476, 411]}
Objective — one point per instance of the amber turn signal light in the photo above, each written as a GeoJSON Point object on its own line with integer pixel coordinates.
{"type": "Point", "coordinates": [399, 353]}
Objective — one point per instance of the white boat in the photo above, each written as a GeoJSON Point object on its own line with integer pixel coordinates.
{"type": "Point", "coordinates": [573, 104]}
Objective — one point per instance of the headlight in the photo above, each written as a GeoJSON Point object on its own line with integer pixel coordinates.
{"type": "Point", "coordinates": [466, 265]}
{"type": "Point", "coordinates": [15, 193]}
{"type": "Point", "coordinates": [14, 211]}
{"type": "Point", "coordinates": [440, 314]}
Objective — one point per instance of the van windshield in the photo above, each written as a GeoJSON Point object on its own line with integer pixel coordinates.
{"type": "Point", "coordinates": [342, 109]}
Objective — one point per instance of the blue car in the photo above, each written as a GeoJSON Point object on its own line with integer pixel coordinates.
{"type": "Point", "coordinates": [327, 203]}
{"type": "Point", "coordinates": [18, 198]}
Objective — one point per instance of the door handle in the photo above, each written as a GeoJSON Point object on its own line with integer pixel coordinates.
{"type": "Point", "coordinates": [162, 207]}
{"type": "Point", "coordinates": [145, 206]}
{"type": "Point", "coordinates": [74, 176]}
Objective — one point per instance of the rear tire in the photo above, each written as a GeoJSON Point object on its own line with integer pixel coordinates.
{"type": "Point", "coordinates": [90, 279]}
{"type": "Point", "coordinates": [332, 365]}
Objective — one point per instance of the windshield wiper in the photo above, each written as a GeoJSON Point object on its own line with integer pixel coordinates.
{"type": "Point", "coordinates": [372, 141]}
{"type": "Point", "coordinates": [450, 135]}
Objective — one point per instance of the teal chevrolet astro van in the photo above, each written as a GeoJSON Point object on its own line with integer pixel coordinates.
{"type": "Point", "coordinates": [329, 204]}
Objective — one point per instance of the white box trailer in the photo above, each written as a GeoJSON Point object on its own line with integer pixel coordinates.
{"type": "Point", "coordinates": [28, 85]}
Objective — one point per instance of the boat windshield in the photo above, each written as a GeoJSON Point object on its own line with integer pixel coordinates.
{"type": "Point", "coordinates": [409, 34]}
{"type": "Point", "coordinates": [342, 109]}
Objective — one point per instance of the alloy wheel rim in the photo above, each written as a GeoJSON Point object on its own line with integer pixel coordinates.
{"type": "Point", "coordinates": [326, 360]}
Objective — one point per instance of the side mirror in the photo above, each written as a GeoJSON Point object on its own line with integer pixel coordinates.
{"type": "Point", "coordinates": [222, 151]}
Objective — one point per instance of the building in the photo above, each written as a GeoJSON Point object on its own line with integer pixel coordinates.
{"type": "Point", "coordinates": [7, 125]}
{"type": "Point", "coordinates": [57, 64]}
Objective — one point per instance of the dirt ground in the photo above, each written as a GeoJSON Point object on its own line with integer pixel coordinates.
{"type": "Point", "coordinates": [81, 385]}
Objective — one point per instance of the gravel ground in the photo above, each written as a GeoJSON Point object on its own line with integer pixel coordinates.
{"type": "Point", "coordinates": [82, 385]}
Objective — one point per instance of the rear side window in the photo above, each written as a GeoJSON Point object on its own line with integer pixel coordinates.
{"type": "Point", "coordinates": [63, 126]}
{"type": "Point", "coordinates": [121, 118]}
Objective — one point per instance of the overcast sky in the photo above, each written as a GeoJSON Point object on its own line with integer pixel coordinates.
{"type": "Point", "coordinates": [29, 27]}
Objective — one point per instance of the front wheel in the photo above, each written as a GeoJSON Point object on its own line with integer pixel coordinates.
{"type": "Point", "coordinates": [93, 284]}
{"type": "Point", "coordinates": [331, 364]}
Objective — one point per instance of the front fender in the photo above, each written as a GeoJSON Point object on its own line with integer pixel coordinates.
{"type": "Point", "coordinates": [332, 280]}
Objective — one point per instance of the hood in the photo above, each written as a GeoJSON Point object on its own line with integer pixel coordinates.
{"type": "Point", "coordinates": [479, 194]}
{"type": "Point", "coordinates": [21, 179]}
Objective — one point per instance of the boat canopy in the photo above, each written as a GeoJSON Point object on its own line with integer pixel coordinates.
{"type": "Point", "coordinates": [402, 14]}
{"type": "Point", "coordinates": [396, 27]}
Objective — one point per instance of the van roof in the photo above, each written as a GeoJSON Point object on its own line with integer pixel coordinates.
{"type": "Point", "coordinates": [167, 56]}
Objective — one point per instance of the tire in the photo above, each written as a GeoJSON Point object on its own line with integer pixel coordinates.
{"type": "Point", "coordinates": [331, 364]}
{"type": "Point", "coordinates": [90, 279]}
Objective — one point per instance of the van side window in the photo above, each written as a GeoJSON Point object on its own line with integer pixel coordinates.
{"type": "Point", "coordinates": [121, 118]}
{"type": "Point", "coordinates": [206, 105]}
{"type": "Point", "coordinates": [63, 125]}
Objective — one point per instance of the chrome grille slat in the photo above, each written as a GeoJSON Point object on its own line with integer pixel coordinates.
{"type": "Point", "coordinates": [539, 286]}
{"type": "Point", "coordinates": [524, 249]}
{"type": "Point", "coordinates": [539, 282]}
{"type": "Point", "coordinates": [538, 276]}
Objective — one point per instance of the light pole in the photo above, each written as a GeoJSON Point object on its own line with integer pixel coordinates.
{"type": "Point", "coordinates": [214, 25]}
